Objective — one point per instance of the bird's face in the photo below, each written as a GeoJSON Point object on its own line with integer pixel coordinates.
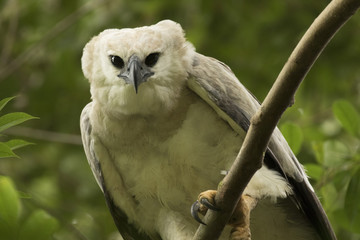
{"type": "Point", "coordinates": [131, 70]}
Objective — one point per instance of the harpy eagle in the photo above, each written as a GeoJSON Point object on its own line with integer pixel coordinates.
{"type": "Point", "coordinates": [164, 122]}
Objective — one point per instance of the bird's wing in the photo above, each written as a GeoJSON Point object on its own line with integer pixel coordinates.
{"type": "Point", "coordinates": [127, 230]}
{"type": "Point", "coordinates": [215, 83]}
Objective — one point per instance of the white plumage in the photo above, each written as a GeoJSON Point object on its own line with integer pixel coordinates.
{"type": "Point", "coordinates": [155, 148]}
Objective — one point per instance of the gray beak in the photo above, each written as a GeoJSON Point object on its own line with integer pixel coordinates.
{"type": "Point", "coordinates": [136, 72]}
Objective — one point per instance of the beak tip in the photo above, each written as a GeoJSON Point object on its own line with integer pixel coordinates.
{"type": "Point", "coordinates": [136, 88]}
{"type": "Point", "coordinates": [136, 74]}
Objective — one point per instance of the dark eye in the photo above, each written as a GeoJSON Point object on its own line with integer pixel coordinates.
{"type": "Point", "coordinates": [152, 59]}
{"type": "Point", "coordinates": [117, 61]}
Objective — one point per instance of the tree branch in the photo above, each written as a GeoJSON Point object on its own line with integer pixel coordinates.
{"type": "Point", "coordinates": [44, 135]}
{"type": "Point", "coordinates": [281, 95]}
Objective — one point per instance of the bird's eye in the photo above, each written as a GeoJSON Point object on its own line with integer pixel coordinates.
{"type": "Point", "coordinates": [117, 61]}
{"type": "Point", "coordinates": [152, 59]}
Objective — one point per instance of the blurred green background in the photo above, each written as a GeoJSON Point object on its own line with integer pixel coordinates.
{"type": "Point", "coordinates": [41, 46]}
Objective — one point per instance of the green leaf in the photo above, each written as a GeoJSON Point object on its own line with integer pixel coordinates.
{"type": "Point", "coordinates": [318, 148]}
{"type": "Point", "coordinates": [330, 199]}
{"type": "Point", "coordinates": [347, 115]}
{"type": "Point", "coordinates": [40, 226]}
{"type": "Point", "coordinates": [5, 151]}
{"type": "Point", "coordinates": [314, 171]}
{"type": "Point", "coordinates": [24, 195]}
{"type": "Point", "coordinates": [17, 143]}
{"type": "Point", "coordinates": [335, 153]}
{"type": "Point", "coordinates": [4, 101]}
{"type": "Point", "coordinates": [352, 206]}
{"type": "Point", "coordinates": [293, 135]}
{"type": "Point", "coordinates": [13, 119]}
{"type": "Point", "coordinates": [9, 202]}
{"type": "Point", "coordinates": [342, 219]}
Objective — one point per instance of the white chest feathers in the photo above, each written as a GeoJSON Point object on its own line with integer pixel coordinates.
{"type": "Point", "coordinates": [161, 163]}
{"type": "Point", "coordinates": [172, 158]}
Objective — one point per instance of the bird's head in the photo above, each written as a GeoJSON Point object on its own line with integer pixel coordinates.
{"type": "Point", "coordinates": [138, 70]}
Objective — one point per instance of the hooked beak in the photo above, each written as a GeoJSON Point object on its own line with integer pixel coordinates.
{"type": "Point", "coordinates": [136, 72]}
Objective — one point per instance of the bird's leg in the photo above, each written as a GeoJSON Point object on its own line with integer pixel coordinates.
{"type": "Point", "coordinates": [240, 219]}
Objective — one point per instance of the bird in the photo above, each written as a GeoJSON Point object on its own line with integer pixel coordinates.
{"type": "Point", "coordinates": [164, 125]}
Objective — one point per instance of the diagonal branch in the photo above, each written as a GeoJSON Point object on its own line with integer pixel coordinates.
{"type": "Point", "coordinates": [281, 95]}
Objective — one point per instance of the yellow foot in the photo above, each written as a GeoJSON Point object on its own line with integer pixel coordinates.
{"type": "Point", "coordinates": [240, 219]}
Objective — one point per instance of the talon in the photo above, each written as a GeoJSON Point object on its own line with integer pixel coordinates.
{"type": "Point", "coordinates": [209, 205]}
{"type": "Point", "coordinates": [195, 212]}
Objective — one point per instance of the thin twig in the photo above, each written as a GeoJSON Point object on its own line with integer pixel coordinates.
{"type": "Point", "coordinates": [276, 102]}
{"type": "Point", "coordinates": [44, 135]}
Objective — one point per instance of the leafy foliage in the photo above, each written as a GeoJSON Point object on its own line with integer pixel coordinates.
{"type": "Point", "coordinates": [10, 204]}
{"type": "Point", "coordinates": [348, 116]}
{"type": "Point", "coordinates": [42, 43]}
{"type": "Point", "coordinates": [7, 121]}
{"type": "Point", "coordinates": [13, 225]}
{"type": "Point", "coordinates": [4, 102]}
{"type": "Point", "coordinates": [337, 172]}
{"type": "Point", "coordinates": [293, 136]}
{"type": "Point", "coordinates": [13, 119]}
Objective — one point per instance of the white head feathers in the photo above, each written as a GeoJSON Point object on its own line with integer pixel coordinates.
{"type": "Point", "coordinates": [107, 88]}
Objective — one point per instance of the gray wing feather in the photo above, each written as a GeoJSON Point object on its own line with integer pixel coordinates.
{"type": "Point", "coordinates": [127, 230]}
{"type": "Point", "coordinates": [86, 129]}
{"type": "Point", "coordinates": [219, 87]}
{"type": "Point", "coordinates": [215, 83]}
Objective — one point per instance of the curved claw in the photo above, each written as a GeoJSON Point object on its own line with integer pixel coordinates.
{"type": "Point", "coordinates": [209, 205]}
{"type": "Point", "coordinates": [195, 212]}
